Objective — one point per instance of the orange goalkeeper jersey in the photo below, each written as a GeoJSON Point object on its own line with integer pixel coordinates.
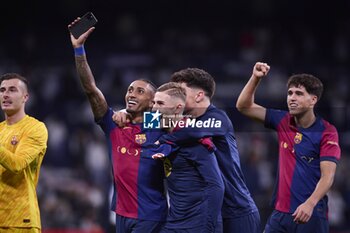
{"type": "Point", "coordinates": [22, 149]}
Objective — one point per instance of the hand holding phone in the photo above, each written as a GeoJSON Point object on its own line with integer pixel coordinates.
{"type": "Point", "coordinates": [83, 25]}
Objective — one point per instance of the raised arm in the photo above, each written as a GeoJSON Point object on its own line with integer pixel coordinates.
{"type": "Point", "coordinates": [245, 103]}
{"type": "Point", "coordinates": [96, 98]}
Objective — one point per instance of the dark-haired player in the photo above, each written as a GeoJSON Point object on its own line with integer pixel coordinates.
{"type": "Point", "coordinates": [308, 153]}
{"type": "Point", "coordinates": [23, 144]}
{"type": "Point", "coordinates": [139, 200]}
{"type": "Point", "coordinates": [239, 212]}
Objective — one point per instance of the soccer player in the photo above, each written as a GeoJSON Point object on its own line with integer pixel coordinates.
{"type": "Point", "coordinates": [194, 180]}
{"type": "Point", "coordinates": [308, 153]}
{"type": "Point", "coordinates": [139, 200]}
{"type": "Point", "coordinates": [239, 211]}
{"type": "Point", "coordinates": [23, 145]}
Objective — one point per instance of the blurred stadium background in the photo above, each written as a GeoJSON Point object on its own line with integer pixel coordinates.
{"type": "Point", "coordinates": [152, 39]}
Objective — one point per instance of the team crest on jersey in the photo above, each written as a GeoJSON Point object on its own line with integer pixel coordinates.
{"type": "Point", "coordinates": [14, 140]}
{"type": "Point", "coordinates": [298, 137]}
{"type": "Point", "coordinates": [140, 138]}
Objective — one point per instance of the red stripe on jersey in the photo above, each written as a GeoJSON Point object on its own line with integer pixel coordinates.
{"type": "Point", "coordinates": [125, 160]}
{"type": "Point", "coordinates": [330, 141]}
{"type": "Point", "coordinates": [287, 162]}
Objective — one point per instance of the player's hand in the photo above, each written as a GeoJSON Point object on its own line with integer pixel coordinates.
{"type": "Point", "coordinates": [303, 213]}
{"type": "Point", "coordinates": [261, 69]}
{"type": "Point", "coordinates": [81, 40]}
{"type": "Point", "coordinates": [158, 156]}
{"type": "Point", "coordinates": [121, 118]}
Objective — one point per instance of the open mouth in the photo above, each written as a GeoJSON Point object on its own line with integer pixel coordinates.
{"type": "Point", "coordinates": [131, 103]}
{"type": "Point", "coordinates": [293, 106]}
{"type": "Point", "coordinates": [6, 103]}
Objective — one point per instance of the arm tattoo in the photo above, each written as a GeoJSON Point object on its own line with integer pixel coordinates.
{"type": "Point", "coordinates": [97, 100]}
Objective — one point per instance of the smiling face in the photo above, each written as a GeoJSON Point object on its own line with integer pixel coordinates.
{"type": "Point", "coordinates": [13, 96]}
{"type": "Point", "coordinates": [139, 97]}
{"type": "Point", "coordinates": [300, 101]}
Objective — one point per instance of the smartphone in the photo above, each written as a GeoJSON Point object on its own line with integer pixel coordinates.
{"type": "Point", "coordinates": [85, 23]}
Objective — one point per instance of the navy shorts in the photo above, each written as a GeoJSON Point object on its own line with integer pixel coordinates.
{"type": "Point", "coordinates": [199, 229]}
{"type": "Point", "coordinates": [131, 225]}
{"type": "Point", "coordinates": [248, 224]}
{"type": "Point", "coordinates": [283, 222]}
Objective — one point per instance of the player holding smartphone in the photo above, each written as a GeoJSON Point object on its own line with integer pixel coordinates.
{"type": "Point", "coordinates": [139, 200]}
{"type": "Point", "coordinates": [82, 25]}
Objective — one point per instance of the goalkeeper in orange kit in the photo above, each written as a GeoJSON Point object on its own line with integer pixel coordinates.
{"type": "Point", "coordinates": [23, 143]}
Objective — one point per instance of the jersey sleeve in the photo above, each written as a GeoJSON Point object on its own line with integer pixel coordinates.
{"type": "Point", "coordinates": [165, 149]}
{"type": "Point", "coordinates": [273, 118]}
{"type": "Point", "coordinates": [330, 149]}
{"type": "Point", "coordinates": [210, 172]}
{"type": "Point", "coordinates": [106, 122]}
{"type": "Point", "coordinates": [188, 135]}
{"type": "Point", "coordinates": [32, 145]}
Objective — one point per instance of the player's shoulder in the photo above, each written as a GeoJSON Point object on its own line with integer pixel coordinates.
{"type": "Point", "coordinates": [278, 112]}
{"type": "Point", "coordinates": [328, 127]}
{"type": "Point", "coordinates": [213, 111]}
{"type": "Point", "coordinates": [34, 121]}
{"type": "Point", "coordinates": [34, 124]}
{"type": "Point", "coordinates": [2, 123]}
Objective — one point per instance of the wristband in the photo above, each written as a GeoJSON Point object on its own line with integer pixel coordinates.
{"type": "Point", "coordinates": [80, 51]}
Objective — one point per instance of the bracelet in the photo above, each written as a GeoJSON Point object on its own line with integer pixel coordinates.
{"type": "Point", "coordinates": [80, 51]}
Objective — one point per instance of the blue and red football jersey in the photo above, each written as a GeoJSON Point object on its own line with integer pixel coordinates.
{"type": "Point", "coordinates": [195, 186]}
{"type": "Point", "coordinates": [138, 179]}
{"type": "Point", "coordinates": [300, 152]}
{"type": "Point", "coordinates": [217, 125]}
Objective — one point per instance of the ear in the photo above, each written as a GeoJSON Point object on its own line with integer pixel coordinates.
{"type": "Point", "coordinates": [314, 99]}
{"type": "Point", "coordinates": [151, 103]}
{"type": "Point", "coordinates": [25, 97]}
{"type": "Point", "coordinates": [199, 96]}
{"type": "Point", "coordinates": [179, 109]}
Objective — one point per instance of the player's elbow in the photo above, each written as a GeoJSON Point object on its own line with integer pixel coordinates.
{"type": "Point", "coordinates": [329, 180]}
{"type": "Point", "coordinates": [241, 105]}
{"type": "Point", "coordinates": [242, 108]}
{"type": "Point", "coordinates": [16, 167]}
{"type": "Point", "coordinates": [90, 90]}
{"type": "Point", "coordinates": [16, 170]}
{"type": "Point", "coordinates": [326, 181]}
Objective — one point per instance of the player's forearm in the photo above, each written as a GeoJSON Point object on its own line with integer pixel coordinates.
{"type": "Point", "coordinates": [86, 77]}
{"type": "Point", "coordinates": [322, 187]}
{"type": "Point", "coordinates": [165, 149]}
{"type": "Point", "coordinates": [246, 98]}
{"type": "Point", "coordinates": [11, 161]}
{"type": "Point", "coordinates": [191, 135]}
{"type": "Point", "coordinates": [97, 101]}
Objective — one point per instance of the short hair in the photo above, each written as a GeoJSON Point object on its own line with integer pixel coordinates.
{"type": "Point", "coordinates": [196, 78]}
{"type": "Point", "coordinates": [9, 76]}
{"type": "Point", "coordinates": [312, 84]}
{"type": "Point", "coordinates": [151, 84]}
{"type": "Point", "coordinates": [173, 89]}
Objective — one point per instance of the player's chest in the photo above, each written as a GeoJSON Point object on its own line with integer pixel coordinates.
{"type": "Point", "coordinates": [131, 142]}
{"type": "Point", "coordinates": [10, 138]}
{"type": "Point", "coordinates": [301, 145]}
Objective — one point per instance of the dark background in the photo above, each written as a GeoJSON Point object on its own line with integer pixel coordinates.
{"type": "Point", "coordinates": [152, 39]}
